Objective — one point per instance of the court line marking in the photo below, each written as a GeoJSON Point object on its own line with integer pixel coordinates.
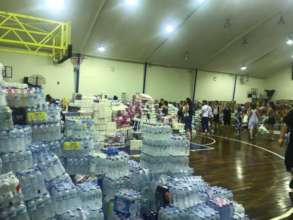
{"type": "Point", "coordinates": [290, 211]}
{"type": "Point", "coordinates": [208, 144]}
{"type": "Point", "coordinates": [211, 148]}
{"type": "Point", "coordinates": [252, 145]}
{"type": "Point", "coordinates": [285, 215]}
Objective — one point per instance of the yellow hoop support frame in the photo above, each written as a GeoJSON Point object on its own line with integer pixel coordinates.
{"type": "Point", "coordinates": [32, 35]}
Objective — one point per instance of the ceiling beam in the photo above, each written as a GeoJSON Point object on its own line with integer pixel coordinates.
{"type": "Point", "coordinates": [179, 27]}
{"type": "Point", "coordinates": [240, 36]}
{"type": "Point", "coordinates": [156, 64]}
{"type": "Point", "coordinates": [92, 26]}
{"type": "Point", "coordinates": [263, 56]}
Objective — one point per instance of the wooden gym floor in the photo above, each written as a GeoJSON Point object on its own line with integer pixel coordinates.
{"type": "Point", "coordinates": [257, 177]}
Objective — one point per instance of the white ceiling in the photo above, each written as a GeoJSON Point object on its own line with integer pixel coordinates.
{"type": "Point", "coordinates": [200, 39]}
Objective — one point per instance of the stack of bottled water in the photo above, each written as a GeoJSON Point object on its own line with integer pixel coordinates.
{"type": "Point", "coordinates": [65, 200]}
{"type": "Point", "coordinates": [43, 113]}
{"type": "Point", "coordinates": [48, 163]}
{"type": "Point", "coordinates": [64, 195]}
{"type": "Point", "coordinates": [46, 132]}
{"type": "Point", "coordinates": [127, 204]}
{"type": "Point", "coordinates": [78, 145]}
{"type": "Point", "coordinates": [81, 166]}
{"type": "Point", "coordinates": [5, 113]}
{"type": "Point", "coordinates": [53, 113]}
{"type": "Point", "coordinates": [16, 161]}
{"type": "Point", "coordinates": [223, 206]}
{"type": "Point", "coordinates": [40, 207]}
{"type": "Point", "coordinates": [75, 214]}
{"type": "Point", "coordinates": [6, 118]}
{"type": "Point", "coordinates": [32, 183]}
{"type": "Point", "coordinates": [110, 163]}
{"type": "Point", "coordinates": [184, 195]}
{"type": "Point", "coordinates": [139, 177]}
{"type": "Point", "coordinates": [13, 153]}
{"type": "Point", "coordinates": [115, 164]}
{"type": "Point", "coordinates": [193, 198]}
{"type": "Point", "coordinates": [2, 98]}
{"type": "Point", "coordinates": [55, 147]}
{"type": "Point", "coordinates": [110, 187]}
{"type": "Point", "coordinates": [91, 198]}
{"type": "Point", "coordinates": [45, 121]}
{"type": "Point", "coordinates": [217, 191]}
{"type": "Point", "coordinates": [21, 96]}
{"type": "Point", "coordinates": [15, 139]}
{"type": "Point", "coordinates": [36, 196]}
{"type": "Point", "coordinates": [163, 152]}
{"type": "Point", "coordinates": [79, 127]}
{"type": "Point", "coordinates": [12, 206]}
{"type": "Point", "coordinates": [173, 145]}
{"type": "Point", "coordinates": [199, 212]}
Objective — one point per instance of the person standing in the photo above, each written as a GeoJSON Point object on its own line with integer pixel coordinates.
{"type": "Point", "coordinates": [186, 120]}
{"type": "Point", "coordinates": [165, 108]}
{"type": "Point", "coordinates": [271, 119]}
{"type": "Point", "coordinates": [206, 112]}
{"type": "Point", "coordinates": [180, 112]}
{"type": "Point", "coordinates": [253, 119]}
{"type": "Point", "coordinates": [216, 115]}
{"type": "Point", "coordinates": [188, 114]}
{"type": "Point", "coordinates": [227, 115]}
{"type": "Point", "coordinates": [238, 117]}
{"type": "Point", "coordinates": [287, 128]}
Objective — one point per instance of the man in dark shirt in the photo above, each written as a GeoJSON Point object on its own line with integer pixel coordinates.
{"type": "Point", "coordinates": [288, 129]}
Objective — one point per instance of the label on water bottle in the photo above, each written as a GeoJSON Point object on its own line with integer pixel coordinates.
{"type": "Point", "coordinates": [71, 145]}
{"type": "Point", "coordinates": [36, 116]}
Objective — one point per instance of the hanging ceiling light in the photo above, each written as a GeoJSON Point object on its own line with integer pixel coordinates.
{"type": "Point", "coordinates": [101, 49]}
{"type": "Point", "coordinates": [169, 28]}
{"type": "Point", "coordinates": [132, 2]}
{"type": "Point", "coordinates": [289, 41]}
{"type": "Point", "coordinates": [55, 4]}
{"type": "Point", "coordinates": [243, 68]}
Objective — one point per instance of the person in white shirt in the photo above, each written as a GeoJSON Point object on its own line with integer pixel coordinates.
{"type": "Point", "coordinates": [206, 112]}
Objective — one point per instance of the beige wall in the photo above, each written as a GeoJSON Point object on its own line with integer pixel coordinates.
{"type": "Point", "coordinates": [243, 88]}
{"type": "Point", "coordinates": [214, 86]}
{"type": "Point", "coordinates": [169, 83]}
{"type": "Point", "coordinates": [282, 83]}
{"type": "Point", "coordinates": [112, 77]}
{"type": "Point", "coordinates": [26, 65]}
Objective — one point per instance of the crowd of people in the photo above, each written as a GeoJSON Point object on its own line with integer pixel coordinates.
{"type": "Point", "coordinates": [241, 117]}
{"type": "Point", "coordinates": [250, 117]}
